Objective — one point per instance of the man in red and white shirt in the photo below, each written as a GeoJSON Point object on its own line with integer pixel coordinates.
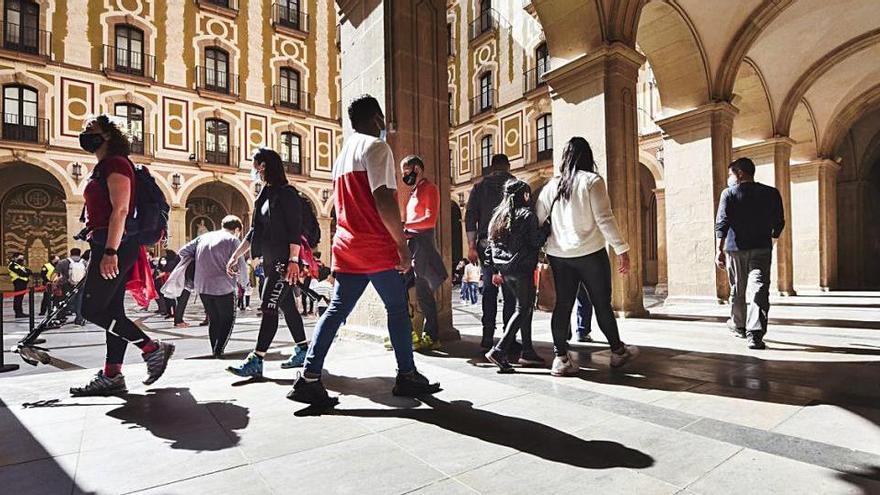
{"type": "Point", "coordinates": [369, 247]}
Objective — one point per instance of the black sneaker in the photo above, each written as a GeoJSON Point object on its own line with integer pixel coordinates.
{"type": "Point", "coordinates": [413, 385]}
{"type": "Point", "coordinates": [101, 385]}
{"type": "Point", "coordinates": [514, 352]}
{"type": "Point", "coordinates": [755, 341]}
{"type": "Point", "coordinates": [531, 359]}
{"type": "Point", "coordinates": [157, 361]}
{"type": "Point", "coordinates": [498, 358]}
{"type": "Point", "coordinates": [311, 392]}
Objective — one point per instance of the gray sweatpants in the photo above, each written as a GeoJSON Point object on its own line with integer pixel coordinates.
{"type": "Point", "coordinates": [749, 275]}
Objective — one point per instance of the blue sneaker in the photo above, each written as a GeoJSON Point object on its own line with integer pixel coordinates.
{"type": "Point", "coordinates": [251, 367]}
{"type": "Point", "coordinates": [296, 359]}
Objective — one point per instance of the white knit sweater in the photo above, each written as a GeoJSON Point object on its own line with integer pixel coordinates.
{"type": "Point", "coordinates": [582, 224]}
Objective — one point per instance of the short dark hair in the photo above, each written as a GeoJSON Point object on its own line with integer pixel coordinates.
{"type": "Point", "coordinates": [744, 165]}
{"type": "Point", "coordinates": [275, 175]}
{"type": "Point", "coordinates": [363, 108]}
{"type": "Point", "coordinates": [231, 222]}
{"type": "Point", "coordinates": [500, 162]}
{"type": "Point", "coordinates": [413, 160]}
{"type": "Point", "coordinates": [75, 252]}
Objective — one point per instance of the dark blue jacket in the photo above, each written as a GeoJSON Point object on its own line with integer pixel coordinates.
{"type": "Point", "coordinates": [750, 216]}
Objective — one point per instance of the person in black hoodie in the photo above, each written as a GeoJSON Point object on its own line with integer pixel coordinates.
{"type": "Point", "coordinates": [512, 255]}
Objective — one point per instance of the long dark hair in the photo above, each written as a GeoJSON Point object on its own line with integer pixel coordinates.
{"type": "Point", "coordinates": [275, 175]}
{"type": "Point", "coordinates": [118, 143]}
{"type": "Point", "coordinates": [577, 156]}
{"type": "Point", "coordinates": [515, 192]}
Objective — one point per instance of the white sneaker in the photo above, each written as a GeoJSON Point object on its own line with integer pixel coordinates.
{"type": "Point", "coordinates": [564, 366]}
{"type": "Point", "coordinates": [630, 352]}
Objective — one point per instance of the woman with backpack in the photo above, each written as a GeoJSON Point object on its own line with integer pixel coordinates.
{"type": "Point", "coordinates": [514, 241]}
{"type": "Point", "coordinates": [109, 200]}
{"type": "Point", "coordinates": [276, 234]}
{"type": "Point", "coordinates": [577, 207]}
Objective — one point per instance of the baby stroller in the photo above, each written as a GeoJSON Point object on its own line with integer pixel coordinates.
{"type": "Point", "coordinates": [28, 350]}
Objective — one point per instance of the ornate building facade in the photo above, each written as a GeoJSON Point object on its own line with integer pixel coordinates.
{"type": "Point", "coordinates": [200, 83]}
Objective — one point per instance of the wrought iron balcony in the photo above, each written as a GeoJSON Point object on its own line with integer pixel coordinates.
{"type": "Point", "coordinates": [483, 103]}
{"type": "Point", "coordinates": [121, 60]}
{"type": "Point", "coordinates": [287, 98]}
{"type": "Point", "coordinates": [24, 129]}
{"type": "Point", "coordinates": [217, 155]}
{"type": "Point", "coordinates": [290, 17]}
{"type": "Point", "coordinates": [217, 81]}
{"type": "Point", "coordinates": [28, 40]}
{"type": "Point", "coordinates": [143, 145]}
{"type": "Point", "coordinates": [534, 77]}
{"type": "Point", "coordinates": [486, 22]}
{"type": "Point", "coordinates": [297, 166]}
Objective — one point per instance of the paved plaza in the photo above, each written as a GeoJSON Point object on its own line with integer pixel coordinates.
{"type": "Point", "coordinates": [698, 413]}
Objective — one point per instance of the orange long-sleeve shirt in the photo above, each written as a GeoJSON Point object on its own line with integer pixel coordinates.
{"type": "Point", "coordinates": [423, 207]}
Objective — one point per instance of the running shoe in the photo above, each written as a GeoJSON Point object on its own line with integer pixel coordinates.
{"type": "Point", "coordinates": [413, 385]}
{"type": "Point", "coordinates": [296, 359]}
{"type": "Point", "coordinates": [629, 353]}
{"type": "Point", "coordinates": [737, 332]}
{"type": "Point", "coordinates": [101, 385]}
{"type": "Point", "coordinates": [157, 361]}
{"type": "Point", "coordinates": [311, 392]}
{"type": "Point", "coordinates": [531, 358]}
{"type": "Point", "coordinates": [585, 338]}
{"type": "Point", "coordinates": [251, 367]}
{"type": "Point", "coordinates": [499, 358]}
{"type": "Point", "coordinates": [427, 344]}
{"type": "Point", "coordinates": [182, 324]}
{"type": "Point", "coordinates": [755, 341]}
{"type": "Point", "coordinates": [564, 366]}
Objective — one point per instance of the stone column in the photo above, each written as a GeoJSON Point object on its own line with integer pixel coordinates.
{"type": "Point", "coordinates": [662, 272]}
{"type": "Point", "coordinates": [326, 240]}
{"type": "Point", "coordinates": [602, 86]}
{"type": "Point", "coordinates": [814, 224]}
{"type": "Point", "coordinates": [74, 225]}
{"type": "Point", "coordinates": [396, 52]}
{"type": "Point", "coordinates": [697, 151]}
{"type": "Point", "coordinates": [177, 227]}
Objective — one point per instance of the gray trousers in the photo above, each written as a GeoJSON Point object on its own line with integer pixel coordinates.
{"type": "Point", "coordinates": [749, 275]}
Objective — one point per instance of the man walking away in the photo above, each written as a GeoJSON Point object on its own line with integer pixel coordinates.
{"type": "Point", "coordinates": [210, 253]}
{"type": "Point", "coordinates": [68, 273]}
{"type": "Point", "coordinates": [422, 210]}
{"type": "Point", "coordinates": [750, 217]}
{"type": "Point", "coordinates": [369, 247]}
{"type": "Point", "coordinates": [485, 196]}
{"type": "Point", "coordinates": [20, 275]}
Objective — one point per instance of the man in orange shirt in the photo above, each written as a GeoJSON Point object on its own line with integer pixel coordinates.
{"type": "Point", "coordinates": [422, 210]}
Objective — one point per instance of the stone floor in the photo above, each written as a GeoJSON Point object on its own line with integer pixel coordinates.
{"type": "Point", "coordinates": [698, 413]}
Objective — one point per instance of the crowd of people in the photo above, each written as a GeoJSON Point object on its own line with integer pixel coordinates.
{"type": "Point", "coordinates": [569, 225]}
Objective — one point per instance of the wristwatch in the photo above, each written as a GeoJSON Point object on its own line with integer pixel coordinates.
{"type": "Point", "coordinates": [110, 252]}
{"type": "Point", "coordinates": [293, 260]}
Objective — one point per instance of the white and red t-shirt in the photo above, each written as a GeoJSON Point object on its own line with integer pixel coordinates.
{"type": "Point", "coordinates": [362, 244]}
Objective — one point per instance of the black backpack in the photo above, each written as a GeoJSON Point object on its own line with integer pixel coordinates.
{"type": "Point", "coordinates": [311, 229]}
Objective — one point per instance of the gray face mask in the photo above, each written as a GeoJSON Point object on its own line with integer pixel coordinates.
{"type": "Point", "coordinates": [731, 181]}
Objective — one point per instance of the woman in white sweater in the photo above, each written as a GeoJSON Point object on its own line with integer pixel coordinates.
{"type": "Point", "coordinates": [576, 205]}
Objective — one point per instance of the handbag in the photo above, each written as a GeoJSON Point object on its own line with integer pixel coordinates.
{"type": "Point", "coordinates": [545, 297]}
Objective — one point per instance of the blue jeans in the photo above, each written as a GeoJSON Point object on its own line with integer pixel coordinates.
{"type": "Point", "coordinates": [471, 292]}
{"type": "Point", "coordinates": [583, 308]}
{"type": "Point", "coordinates": [347, 291]}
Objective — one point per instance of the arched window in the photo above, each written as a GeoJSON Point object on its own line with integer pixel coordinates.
{"type": "Point", "coordinates": [486, 100]}
{"type": "Point", "coordinates": [216, 70]}
{"type": "Point", "coordinates": [20, 116]}
{"type": "Point", "coordinates": [289, 88]}
{"type": "Point", "coordinates": [486, 150]}
{"type": "Point", "coordinates": [129, 52]}
{"type": "Point", "coordinates": [22, 26]}
{"type": "Point", "coordinates": [217, 141]}
{"type": "Point", "coordinates": [485, 15]}
{"type": "Point", "coordinates": [134, 118]}
{"type": "Point", "coordinates": [544, 136]}
{"type": "Point", "coordinates": [291, 152]}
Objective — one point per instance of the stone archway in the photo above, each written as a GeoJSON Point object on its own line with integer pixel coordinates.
{"type": "Point", "coordinates": [649, 235]}
{"type": "Point", "coordinates": [33, 214]}
{"type": "Point", "coordinates": [208, 203]}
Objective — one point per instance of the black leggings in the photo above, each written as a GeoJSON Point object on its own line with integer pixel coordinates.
{"type": "Point", "coordinates": [180, 306]}
{"type": "Point", "coordinates": [220, 311]}
{"type": "Point", "coordinates": [594, 271]}
{"type": "Point", "coordinates": [277, 294]}
{"type": "Point", "coordinates": [522, 286]}
{"type": "Point", "coordinates": [104, 301]}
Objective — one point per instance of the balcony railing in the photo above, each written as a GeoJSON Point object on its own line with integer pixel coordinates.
{"type": "Point", "coordinates": [218, 156]}
{"type": "Point", "coordinates": [24, 129]}
{"type": "Point", "coordinates": [129, 62]}
{"type": "Point", "coordinates": [483, 103]}
{"type": "Point", "coordinates": [538, 150]}
{"type": "Point", "coordinates": [231, 5]}
{"type": "Point", "coordinates": [290, 99]}
{"type": "Point", "coordinates": [534, 78]}
{"type": "Point", "coordinates": [297, 167]}
{"type": "Point", "coordinates": [293, 18]}
{"type": "Point", "coordinates": [143, 145]}
{"type": "Point", "coordinates": [486, 21]}
{"type": "Point", "coordinates": [217, 81]}
{"type": "Point", "coordinates": [27, 40]}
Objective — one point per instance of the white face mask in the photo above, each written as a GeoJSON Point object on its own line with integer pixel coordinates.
{"type": "Point", "coordinates": [731, 181]}
{"type": "Point", "coordinates": [383, 135]}
{"type": "Point", "coordinates": [255, 175]}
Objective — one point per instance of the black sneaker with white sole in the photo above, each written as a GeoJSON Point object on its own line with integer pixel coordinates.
{"type": "Point", "coordinates": [499, 358]}
{"type": "Point", "coordinates": [413, 385]}
{"type": "Point", "coordinates": [311, 392]}
{"type": "Point", "coordinates": [157, 361]}
{"type": "Point", "coordinates": [755, 340]}
{"type": "Point", "coordinates": [101, 385]}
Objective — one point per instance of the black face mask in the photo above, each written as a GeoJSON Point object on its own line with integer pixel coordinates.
{"type": "Point", "coordinates": [90, 142]}
{"type": "Point", "coordinates": [410, 178]}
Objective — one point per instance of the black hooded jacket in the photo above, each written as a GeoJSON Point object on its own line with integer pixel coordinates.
{"type": "Point", "coordinates": [517, 252]}
{"type": "Point", "coordinates": [485, 196]}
